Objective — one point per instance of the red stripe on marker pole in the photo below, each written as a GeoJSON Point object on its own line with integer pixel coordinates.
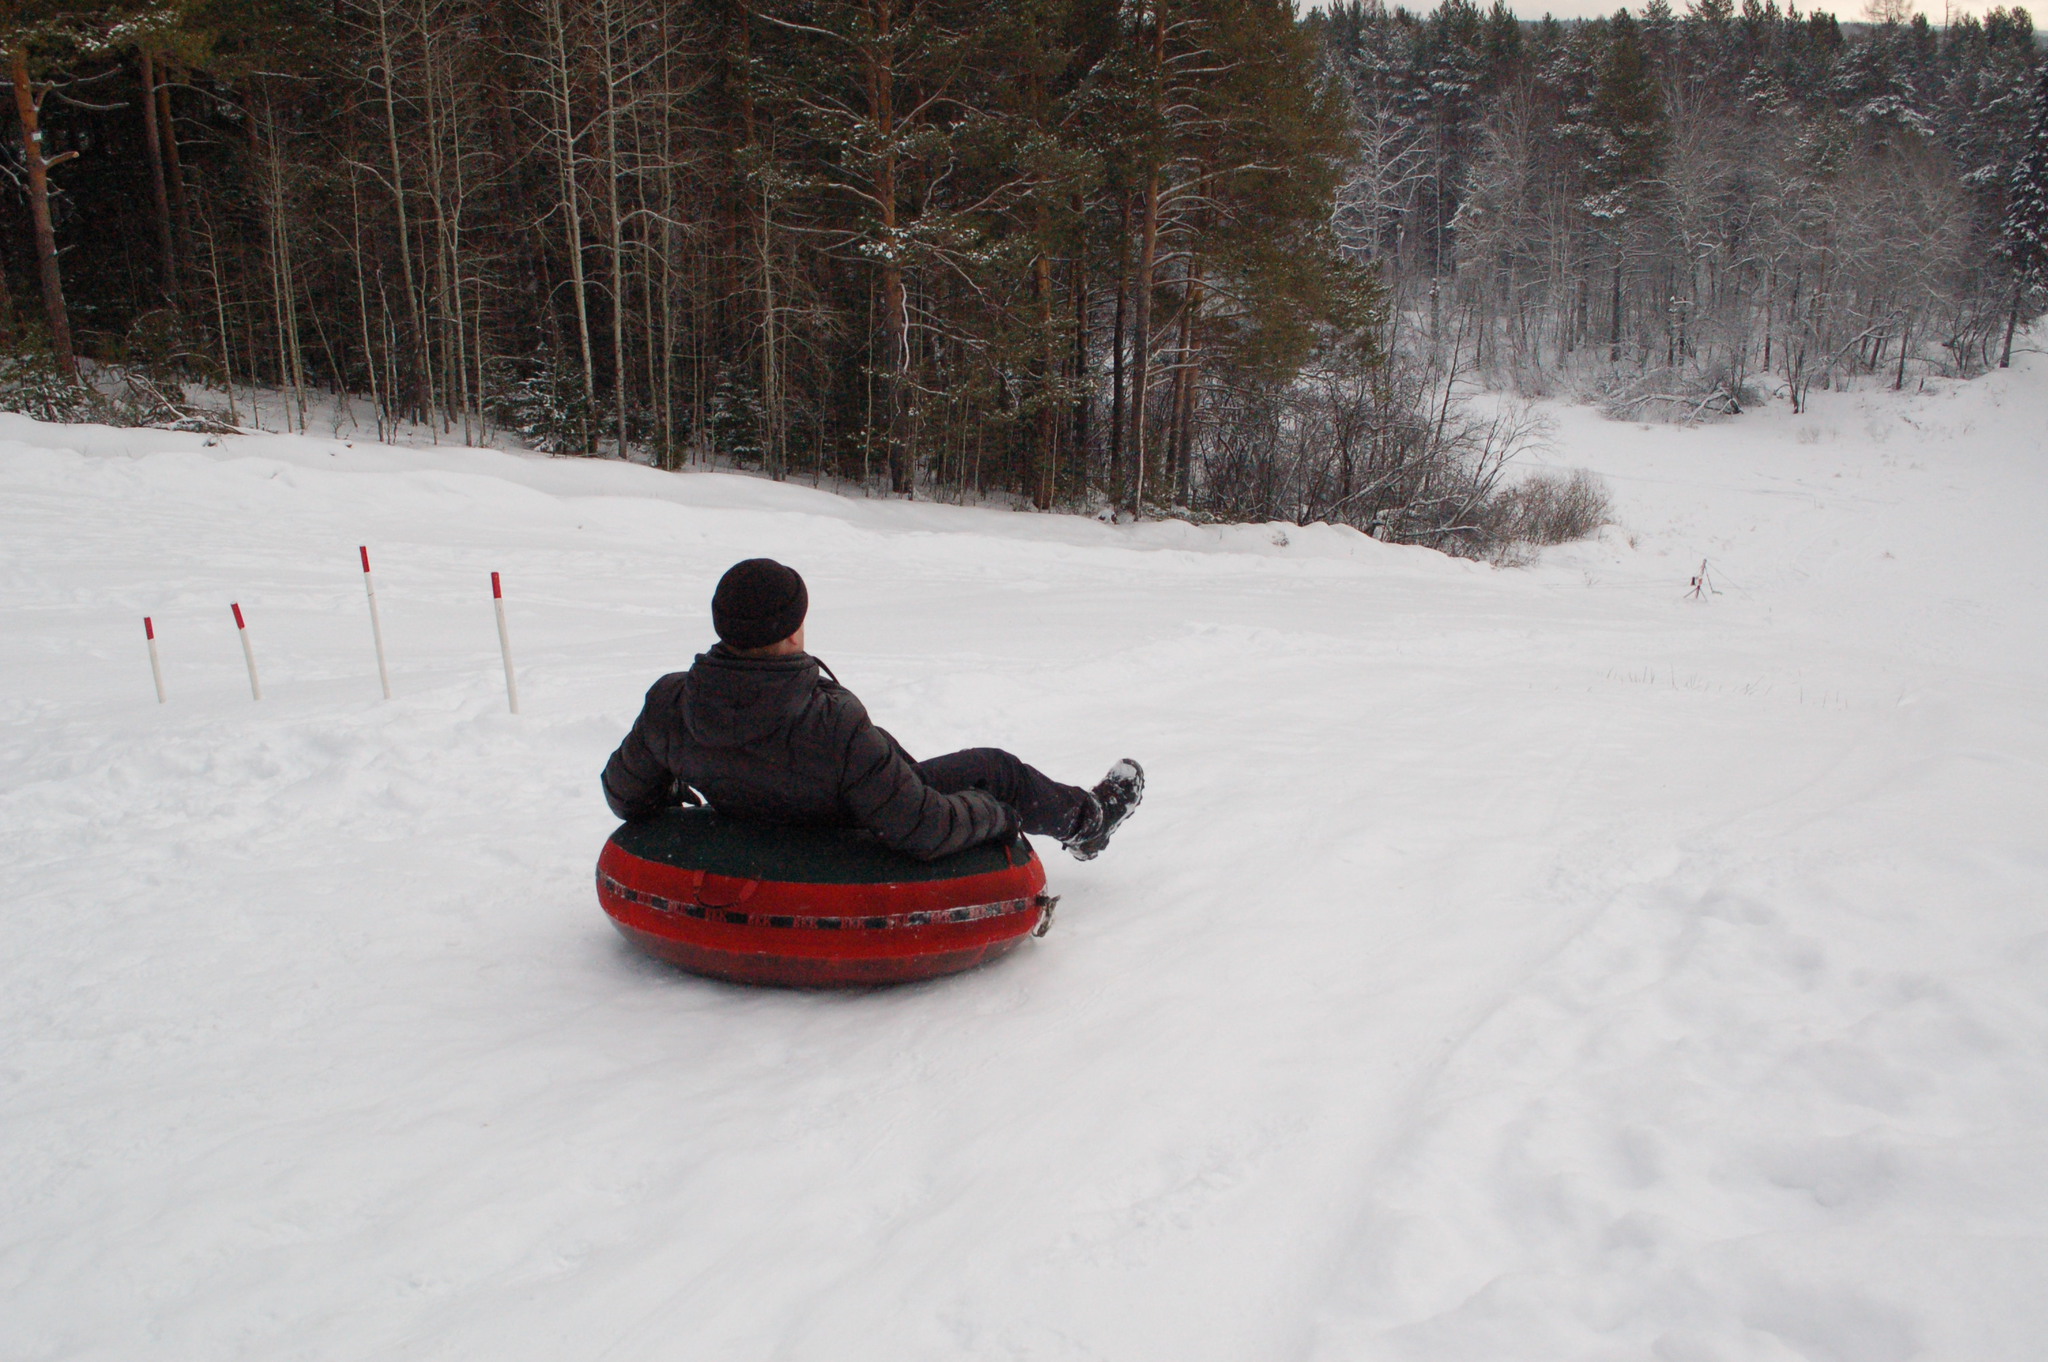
{"type": "Point", "coordinates": [238, 616]}
{"type": "Point", "coordinates": [364, 549]}
{"type": "Point", "coordinates": [148, 627]}
{"type": "Point", "coordinates": [497, 589]}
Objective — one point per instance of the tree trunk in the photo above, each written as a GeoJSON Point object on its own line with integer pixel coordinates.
{"type": "Point", "coordinates": [220, 312]}
{"type": "Point", "coordinates": [438, 301]}
{"type": "Point", "coordinates": [363, 299]}
{"type": "Point", "coordinates": [269, 155]}
{"type": "Point", "coordinates": [1084, 384]}
{"type": "Point", "coordinates": [564, 111]}
{"type": "Point", "coordinates": [895, 302]}
{"type": "Point", "coordinates": [615, 171]}
{"type": "Point", "coordinates": [174, 166]}
{"type": "Point", "coordinates": [1048, 405]}
{"type": "Point", "coordinates": [26, 103]}
{"type": "Point", "coordinates": [1185, 386]}
{"type": "Point", "coordinates": [152, 137]}
{"type": "Point", "coordinates": [1116, 371]}
{"type": "Point", "coordinates": [415, 365]}
{"type": "Point", "coordinates": [2012, 321]}
{"type": "Point", "coordinates": [1141, 337]}
{"type": "Point", "coordinates": [664, 381]}
{"type": "Point", "coordinates": [1614, 311]}
{"type": "Point", "coordinates": [7, 336]}
{"type": "Point", "coordinates": [772, 414]}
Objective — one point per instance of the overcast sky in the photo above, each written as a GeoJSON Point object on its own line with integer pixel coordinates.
{"type": "Point", "coordinates": [1848, 10]}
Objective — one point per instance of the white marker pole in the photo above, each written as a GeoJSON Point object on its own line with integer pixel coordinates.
{"type": "Point", "coordinates": [156, 664]}
{"type": "Point", "coordinates": [504, 642]}
{"type": "Point", "coordinates": [376, 625]}
{"type": "Point", "coordinates": [248, 653]}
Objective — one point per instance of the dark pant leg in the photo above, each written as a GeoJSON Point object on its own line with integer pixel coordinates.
{"type": "Point", "coordinates": [1048, 808]}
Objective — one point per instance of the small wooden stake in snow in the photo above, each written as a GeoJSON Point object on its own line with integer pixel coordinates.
{"type": "Point", "coordinates": [248, 653]}
{"type": "Point", "coordinates": [376, 625]}
{"type": "Point", "coordinates": [156, 666]}
{"type": "Point", "coordinates": [504, 642]}
{"type": "Point", "coordinates": [1702, 584]}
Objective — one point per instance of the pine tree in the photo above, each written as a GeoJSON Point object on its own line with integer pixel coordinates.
{"type": "Point", "coordinates": [36, 39]}
{"type": "Point", "coordinates": [2026, 216]}
{"type": "Point", "coordinates": [1627, 121]}
{"type": "Point", "coordinates": [1627, 114]}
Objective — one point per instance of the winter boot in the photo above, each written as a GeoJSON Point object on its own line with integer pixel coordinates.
{"type": "Point", "coordinates": [1111, 802]}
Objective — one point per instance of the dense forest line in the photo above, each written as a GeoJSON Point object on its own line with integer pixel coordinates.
{"type": "Point", "coordinates": [1678, 211]}
{"type": "Point", "coordinates": [1194, 254]}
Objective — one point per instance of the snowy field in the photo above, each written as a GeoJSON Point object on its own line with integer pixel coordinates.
{"type": "Point", "coordinates": [1529, 964]}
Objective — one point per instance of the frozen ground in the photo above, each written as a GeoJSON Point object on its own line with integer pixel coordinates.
{"type": "Point", "coordinates": [1529, 964]}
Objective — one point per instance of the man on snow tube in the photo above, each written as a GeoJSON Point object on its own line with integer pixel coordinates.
{"type": "Point", "coordinates": [763, 731]}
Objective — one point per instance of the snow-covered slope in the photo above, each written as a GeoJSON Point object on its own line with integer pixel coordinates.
{"type": "Point", "coordinates": [1525, 964]}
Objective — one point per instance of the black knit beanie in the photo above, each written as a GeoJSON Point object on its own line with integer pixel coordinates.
{"type": "Point", "coordinates": [758, 602]}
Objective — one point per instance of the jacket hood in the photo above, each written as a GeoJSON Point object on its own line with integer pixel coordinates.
{"type": "Point", "coordinates": [732, 701]}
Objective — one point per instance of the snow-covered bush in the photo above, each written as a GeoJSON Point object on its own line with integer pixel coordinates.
{"type": "Point", "coordinates": [31, 383]}
{"type": "Point", "coordinates": [1549, 508]}
{"type": "Point", "coordinates": [735, 419]}
{"type": "Point", "coordinates": [1391, 444]}
{"type": "Point", "coordinates": [109, 394]}
{"type": "Point", "coordinates": [541, 401]}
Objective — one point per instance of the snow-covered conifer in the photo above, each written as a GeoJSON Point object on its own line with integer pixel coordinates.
{"type": "Point", "coordinates": [2026, 217]}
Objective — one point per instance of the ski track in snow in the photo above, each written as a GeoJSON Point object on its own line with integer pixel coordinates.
{"type": "Point", "coordinates": [1503, 964]}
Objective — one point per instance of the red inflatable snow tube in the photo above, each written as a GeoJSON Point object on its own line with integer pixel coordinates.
{"type": "Point", "coordinates": [813, 907]}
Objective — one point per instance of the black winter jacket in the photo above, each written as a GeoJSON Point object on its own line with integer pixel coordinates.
{"type": "Point", "coordinates": [781, 741]}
